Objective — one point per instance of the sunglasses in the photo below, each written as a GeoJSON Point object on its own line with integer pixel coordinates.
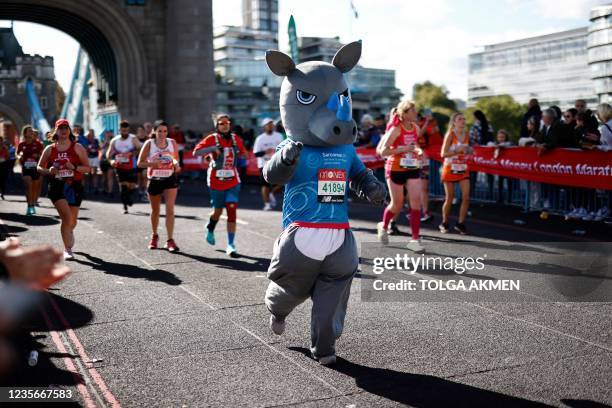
{"type": "Point", "coordinates": [63, 127]}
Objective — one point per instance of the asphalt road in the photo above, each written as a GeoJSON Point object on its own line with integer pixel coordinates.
{"type": "Point", "coordinates": [137, 327]}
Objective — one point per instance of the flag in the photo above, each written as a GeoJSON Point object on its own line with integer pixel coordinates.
{"type": "Point", "coordinates": [293, 43]}
{"type": "Point", "coordinates": [354, 9]}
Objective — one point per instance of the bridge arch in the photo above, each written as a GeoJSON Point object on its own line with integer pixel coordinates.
{"type": "Point", "coordinates": [107, 33]}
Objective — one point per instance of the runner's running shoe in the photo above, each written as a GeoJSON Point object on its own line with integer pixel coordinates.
{"type": "Point", "coordinates": [68, 255]}
{"type": "Point", "coordinates": [171, 246]}
{"type": "Point", "coordinates": [427, 217]}
{"type": "Point", "coordinates": [382, 234]}
{"type": "Point", "coordinates": [444, 228]}
{"type": "Point", "coordinates": [231, 250]}
{"type": "Point", "coordinates": [393, 230]}
{"type": "Point", "coordinates": [153, 241]}
{"type": "Point", "coordinates": [210, 237]}
{"type": "Point", "coordinates": [460, 228]}
{"type": "Point", "coordinates": [415, 246]}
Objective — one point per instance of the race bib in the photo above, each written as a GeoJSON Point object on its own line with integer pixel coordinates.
{"type": "Point", "coordinates": [162, 173]}
{"type": "Point", "coordinates": [123, 158]}
{"type": "Point", "coordinates": [458, 168]}
{"type": "Point", "coordinates": [225, 173]}
{"type": "Point", "coordinates": [331, 185]}
{"type": "Point", "coordinates": [65, 173]}
{"type": "Point", "coordinates": [29, 164]}
{"type": "Point", "coordinates": [409, 161]}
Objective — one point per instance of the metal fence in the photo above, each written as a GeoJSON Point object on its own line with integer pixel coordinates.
{"type": "Point", "coordinates": [531, 196]}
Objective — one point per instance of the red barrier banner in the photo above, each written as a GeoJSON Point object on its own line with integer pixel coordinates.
{"type": "Point", "coordinates": [196, 163]}
{"type": "Point", "coordinates": [565, 167]}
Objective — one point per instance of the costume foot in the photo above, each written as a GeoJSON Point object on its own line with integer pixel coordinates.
{"type": "Point", "coordinates": [327, 360]}
{"type": "Point", "coordinates": [276, 325]}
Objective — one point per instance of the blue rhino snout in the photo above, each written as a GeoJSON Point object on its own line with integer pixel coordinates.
{"type": "Point", "coordinates": [341, 106]}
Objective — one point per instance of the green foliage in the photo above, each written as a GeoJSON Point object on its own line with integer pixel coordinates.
{"type": "Point", "coordinates": [429, 95]}
{"type": "Point", "coordinates": [502, 111]}
{"type": "Point", "coordinates": [434, 97]}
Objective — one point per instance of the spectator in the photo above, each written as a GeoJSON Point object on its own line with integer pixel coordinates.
{"type": "Point", "coordinates": [533, 129]}
{"type": "Point", "coordinates": [481, 132]}
{"type": "Point", "coordinates": [381, 124]}
{"type": "Point", "coordinates": [79, 135]}
{"type": "Point", "coordinates": [502, 141]}
{"type": "Point", "coordinates": [551, 132]}
{"type": "Point", "coordinates": [581, 106]}
{"type": "Point", "coordinates": [604, 112]}
{"type": "Point", "coordinates": [280, 128]}
{"type": "Point", "coordinates": [533, 111]}
{"type": "Point", "coordinates": [588, 138]}
{"type": "Point", "coordinates": [569, 117]}
{"type": "Point", "coordinates": [368, 135]}
{"type": "Point", "coordinates": [557, 111]}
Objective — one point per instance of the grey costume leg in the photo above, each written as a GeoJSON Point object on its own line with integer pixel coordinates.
{"type": "Point", "coordinates": [292, 275]}
{"type": "Point", "coordinates": [330, 297]}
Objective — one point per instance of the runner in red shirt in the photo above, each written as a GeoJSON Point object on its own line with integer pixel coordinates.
{"type": "Point", "coordinates": [64, 162]}
{"type": "Point", "coordinates": [429, 135]}
{"type": "Point", "coordinates": [222, 150]}
{"type": "Point", "coordinates": [28, 153]}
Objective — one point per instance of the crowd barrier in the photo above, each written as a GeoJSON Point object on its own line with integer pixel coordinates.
{"type": "Point", "coordinates": [556, 181]}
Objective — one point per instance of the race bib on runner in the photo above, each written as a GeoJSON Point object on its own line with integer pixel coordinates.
{"type": "Point", "coordinates": [225, 173]}
{"type": "Point", "coordinates": [65, 173]}
{"type": "Point", "coordinates": [29, 164]}
{"type": "Point", "coordinates": [162, 173]}
{"type": "Point", "coordinates": [409, 161]}
{"type": "Point", "coordinates": [458, 168]}
{"type": "Point", "coordinates": [331, 185]}
{"type": "Point", "coordinates": [123, 158]}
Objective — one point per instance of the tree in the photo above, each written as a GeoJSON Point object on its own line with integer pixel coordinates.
{"type": "Point", "coordinates": [429, 95]}
{"type": "Point", "coordinates": [502, 112]}
{"type": "Point", "coordinates": [434, 97]}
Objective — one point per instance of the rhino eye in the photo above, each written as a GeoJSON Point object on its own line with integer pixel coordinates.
{"type": "Point", "coordinates": [305, 98]}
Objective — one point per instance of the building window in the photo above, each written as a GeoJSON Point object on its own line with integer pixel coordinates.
{"type": "Point", "coordinates": [43, 102]}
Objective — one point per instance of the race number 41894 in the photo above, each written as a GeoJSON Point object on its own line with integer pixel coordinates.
{"type": "Point", "coordinates": [331, 185]}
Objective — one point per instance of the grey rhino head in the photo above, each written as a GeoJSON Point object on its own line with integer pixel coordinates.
{"type": "Point", "coordinates": [315, 101]}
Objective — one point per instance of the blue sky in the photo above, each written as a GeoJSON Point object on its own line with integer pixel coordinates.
{"type": "Point", "coordinates": [420, 40]}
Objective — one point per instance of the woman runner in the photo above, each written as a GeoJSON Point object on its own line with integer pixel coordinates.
{"type": "Point", "coordinates": [159, 155]}
{"type": "Point", "coordinates": [64, 162]}
{"type": "Point", "coordinates": [455, 169]}
{"type": "Point", "coordinates": [28, 153]}
{"type": "Point", "coordinates": [402, 169]}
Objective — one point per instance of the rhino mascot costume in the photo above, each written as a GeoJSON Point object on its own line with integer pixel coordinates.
{"type": "Point", "coordinates": [316, 254]}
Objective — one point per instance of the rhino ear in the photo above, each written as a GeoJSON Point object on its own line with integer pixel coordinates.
{"type": "Point", "coordinates": [279, 63]}
{"type": "Point", "coordinates": [347, 57]}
